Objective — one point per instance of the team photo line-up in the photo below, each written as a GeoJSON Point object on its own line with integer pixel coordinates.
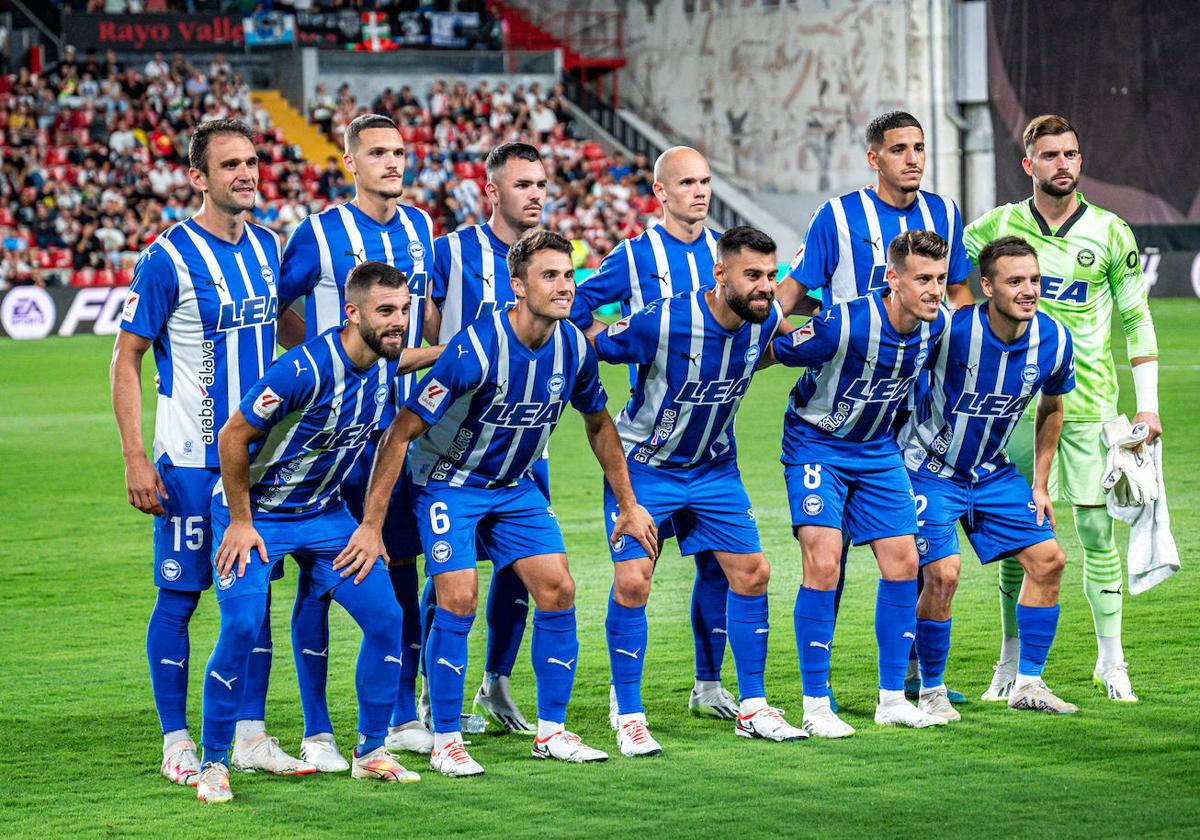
{"type": "Point", "coordinates": [410, 414]}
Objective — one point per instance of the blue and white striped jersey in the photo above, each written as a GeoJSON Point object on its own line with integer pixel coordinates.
{"type": "Point", "coordinates": [325, 247]}
{"type": "Point", "coordinates": [845, 247]}
{"type": "Point", "coordinates": [648, 267]}
{"type": "Point", "coordinates": [980, 388]}
{"type": "Point", "coordinates": [319, 410]}
{"type": "Point", "coordinates": [691, 376]}
{"type": "Point", "coordinates": [470, 278]}
{"type": "Point", "coordinates": [209, 306]}
{"type": "Point", "coordinates": [492, 402]}
{"type": "Point", "coordinates": [859, 371]}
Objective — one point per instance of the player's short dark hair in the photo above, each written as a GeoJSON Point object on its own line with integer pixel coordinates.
{"type": "Point", "coordinates": [923, 243]}
{"type": "Point", "coordinates": [1005, 246]}
{"type": "Point", "coordinates": [739, 237]}
{"type": "Point", "coordinates": [520, 255]}
{"type": "Point", "coordinates": [505, 152]}
{"type": "Point", "coordinates": [203, 135]}
{"type": "Point", "coordinates": [362, 123]}
{"type": "Point", "coordinates": [1045, 126]}
{"type": "Point", "coordinates": [886, 122]}
{"type": "Point", "coordinates": [367, 275]}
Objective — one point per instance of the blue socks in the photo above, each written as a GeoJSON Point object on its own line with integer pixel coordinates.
{"type": "Point", "coordinates": [895, 629]}
{"type": "Point", "coordinates": [933, 646]}
{"type": "Point", "coordinates": [428, 608]}
{"type": "Point", "coordinates": [225, 673]}
{"type": "Point", "coordinates": [709, 628]}
{"type": "Point", "coordinates": [627, 633]}
{"type": "Point", "coordinates": [1035, 629]}
{"type": "Point", "coordinates": [167, 649]}
{"type": "Point", "coordinates": [374, 608]}
{"type": "Point", "coordinates": [506, 611]}
{"type": "Point", "coordinates": [748, 628]}
{"type": "Point", "coordinates": [841, 584]}
{"type": "Point", "coordinates": [445, 667]}
{"type": "Point", "coordinates": [258, 672]}
{"type": "Point", "coordinates": [555, 650]}
{"type": "Point", "coordinates": [310, 649]}
{"type": "Point", "coordinates": [814, 619]}
{"type": "Point", "coordinates": [404, 587]}
{"type": "Point", "coordinates": [211, 756]}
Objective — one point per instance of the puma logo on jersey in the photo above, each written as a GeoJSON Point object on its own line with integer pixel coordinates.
{"type": "Point", "coordinates": [359, 256]}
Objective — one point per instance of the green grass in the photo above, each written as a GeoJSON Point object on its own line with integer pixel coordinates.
{"type": "Point", "coordinates": [80, 746]}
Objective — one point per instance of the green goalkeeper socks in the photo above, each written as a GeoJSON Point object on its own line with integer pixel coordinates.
{"type": "Point", "coordinates": [1101, 568]}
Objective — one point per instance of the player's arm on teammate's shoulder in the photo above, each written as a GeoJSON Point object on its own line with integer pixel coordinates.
{"type": "Point", "coordinates": [958, 289]}
{"type": "Point", "coordinates": [419, 358]}
{"type": "Point", "coordinates": [439, 281]}
{"type": "Point", "coordinates": [299, 271]}
{"type": "Point", "coordinates": [809, 345]}
{"type": "Point", "coordinates": [793, 297]}
{"type": "Point", "coordinates": [631, 340]}
{"type": "Point", "coordinates": [433, 321]}
{"type": "Point", "coordinates": [959, 295]}
{"type": "Point", "coordinates": [233, 445]}
{"type": "Point", "coordinates": [610, 283]}
{"type": "Point", "coordinates": [632, 518]}
{"type": "Point", "coordinates": [290, 330]}
{"type": "Point", "coordinates": [142, 482]}
{"type": "Point", "coordinates": [1141, 343]}
{"type": "Point", "coordinates": [366, 543]}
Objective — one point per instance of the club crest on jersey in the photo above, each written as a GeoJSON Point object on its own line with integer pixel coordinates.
{"type": "Point", "coordinates": [441, 551]}
{"type": "Point", "coordinates": [803, 334]}
{"type": "Point", "coordinates": [381, 394]}
{"type": "Point", "coordinates": [813, 504]}
{"type": "Point", "coordinates": [268, 275]}
{"type": "Point", "coordinates": [266, 403]}
{"type": "Point", "coordinates": [1086, 257]}
{"type": "Point", "coordinates": [416, 250]}
{"type": "Point", "coordinates": [752, 354]}
{"type": "Point", "coordinates": [556, 383]}
{"type": "Point", "coordinates": [131, 305]}
{"type": "Point", "coordinates": [1029, 374]}
{"type": "Point", "coordinates": [432, 395]}
{"type": "Point", "coordinates": [921, 357]}
{"type": "Point", "coordinates": [170, 570]}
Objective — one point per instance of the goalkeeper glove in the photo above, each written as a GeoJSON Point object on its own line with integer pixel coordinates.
{"type": "Point", "coordinates": [1130, 474]}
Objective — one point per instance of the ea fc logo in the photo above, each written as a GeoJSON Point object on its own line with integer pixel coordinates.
{"type": "Point", "coordinates": [381, 394]}
{"type": "Point", "coordinates": [555, 383]}
{"type": "Point", "coordinates": [752, 354]}
{"type": "Point", "coordinates": [922, 546]}
{"type": "Point", "coordinates": [813, 504]}
{"type": "Point", "coordinates": [1029, 374]}
{"type": "Point", "coordinates": [416, 250]}
{"type": "Point", "coordinates": [441, 551]}
{"type": "Point", "coordinates": [170, 570]}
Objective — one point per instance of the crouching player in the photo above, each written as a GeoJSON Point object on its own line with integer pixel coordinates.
{"type": "Point", "coordinates": [481, 418]}
{"type": "Point", "coordinates": [695, 354]}
{"type": "Point", "coordinates": [844, 468]}
{"type": "Point", "coordinates": [317, 406]}
{"type": "Point", "coordinates": [995, 358]}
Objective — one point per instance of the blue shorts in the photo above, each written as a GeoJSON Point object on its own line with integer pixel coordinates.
{"type": "Point", "coordinates": [705, 507]}
{"type": "Point", "coordinates": [183, 542]}
{"type": "Point", "coordinates": [314, 539]}
{"type": "Point", "coordinates": [504, 524]}
{"type": "Point", "coordinates": [864, 494]}
{"type": "Point", "coordinates": [400, 535]}
{"type": "Point", "coordinates": [997, 515]}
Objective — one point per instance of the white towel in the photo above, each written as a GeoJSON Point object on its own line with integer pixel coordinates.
{"type": "Point", "coordinates": [1153, 556]}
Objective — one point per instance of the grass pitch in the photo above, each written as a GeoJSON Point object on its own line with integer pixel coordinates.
{"type": "Point", "coordinates": [80, 745]}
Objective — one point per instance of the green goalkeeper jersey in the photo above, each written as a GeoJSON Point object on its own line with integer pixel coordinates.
{"type": "Point", "coordinates": [1089, 264]}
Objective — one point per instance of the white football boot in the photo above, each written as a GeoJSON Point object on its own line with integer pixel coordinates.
{"type": "Point", "coordinates": [566, 746]}
{"type": "Point", "coordinates": [1114, 682]}
{"type": "Point", "coordinates": [613, 714]}
{"type": "Point", "coordinates": [767, 723]}
{"type": "Point", "coordinates": [893, 710]}
{"type": "Point", "coordinates": [454, 760]}
{"type": "Point", "coordinates": [262, 753]}
{"type": "Point", "coordinates": [424, 710]}
{"type": "Point", "coordinates": [712, 700]}
{"type": "Point", "coordinates": [382, 765]}
{"type": "Point", "coordinates": [494, 703]}
{"type": "Point", "coordinates": [1037, 697]}
{"type": "Point", "coordinates": [634, 739]}
{"type": "Point", "coordinates": [821, 722]}
{"type": "Point", "coordinates": [410, 737]}
{"type": "Point", "coordinates": [212, 783]}
{"type": "Point", "coordinates": [180, 763]}
{"type": "Point", "coordinates": [934, 701]}
{"type": "Point", "coordinates": [321, 751]}
{"type": "Point", "coordinates": [1002, 682]}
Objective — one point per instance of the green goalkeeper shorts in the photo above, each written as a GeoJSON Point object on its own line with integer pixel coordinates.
{"type": "Point", "coordinates": [1078, 464]}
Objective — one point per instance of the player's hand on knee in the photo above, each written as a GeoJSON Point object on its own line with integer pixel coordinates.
{"type": "Point", "coordinates": [360, 554]}
{"type": "Point", "coordinates": [1153, 424]}
{"type": "Point", "coordinates": [145, 487]}
{"type": "Point", "coordinates": [1043, 508]}
{"type": "Point", "coordinates": [240, 540]}
{"type": "Point", "coordinates": [639, 524]}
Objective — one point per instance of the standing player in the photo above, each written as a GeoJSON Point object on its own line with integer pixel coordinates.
{"type": "Point", "coordinates": [318, 258]}
{"type": "Point", "coordinates": [845, 473]}
{"type": "Point", "coordinates": [483, 415]}
{"type": "Point", "coordinates": [993, 361]}
{"type": "Point", "coordinates": [470, 281]}
{"type": "Point", "coordinates": [204, 296]}
{"type": "Point", "coordinates": [284, 453]}
{"type": "Point", "coordinates": [845, 247]}
{"type": "Point", "coordinates": [695, 355]}
{"type": "Point", "coordinates": [1089, 262]}
{"type": "Point", "coordinates": [664, 260]}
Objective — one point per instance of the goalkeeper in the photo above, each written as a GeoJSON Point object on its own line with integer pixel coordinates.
{"type": "Point", "coordinates": [1089, 262]}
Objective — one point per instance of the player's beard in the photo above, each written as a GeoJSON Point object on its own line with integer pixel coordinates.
{"type": "Point", "coordinates": [374, 340]}
{"type": "Point", "coordinates": [741, 306]}
{"type": "Point", "coordinates": [1051, 188]}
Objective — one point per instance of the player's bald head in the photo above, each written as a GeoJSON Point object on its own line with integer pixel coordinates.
{"type": "Point", "coordinates": [675, 160]}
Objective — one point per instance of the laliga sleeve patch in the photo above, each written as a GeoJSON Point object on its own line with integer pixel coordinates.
{"type": "Point", "coordinates": [618, 327]}
{"type": "Point", "coordinates": [131, 305]}
{"type": "Point", "coordinates": [433, 395]}
{"type": "Point", "coordinates": [266, 403]}
{"type": "Point", "coordinates": [803, 334]}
